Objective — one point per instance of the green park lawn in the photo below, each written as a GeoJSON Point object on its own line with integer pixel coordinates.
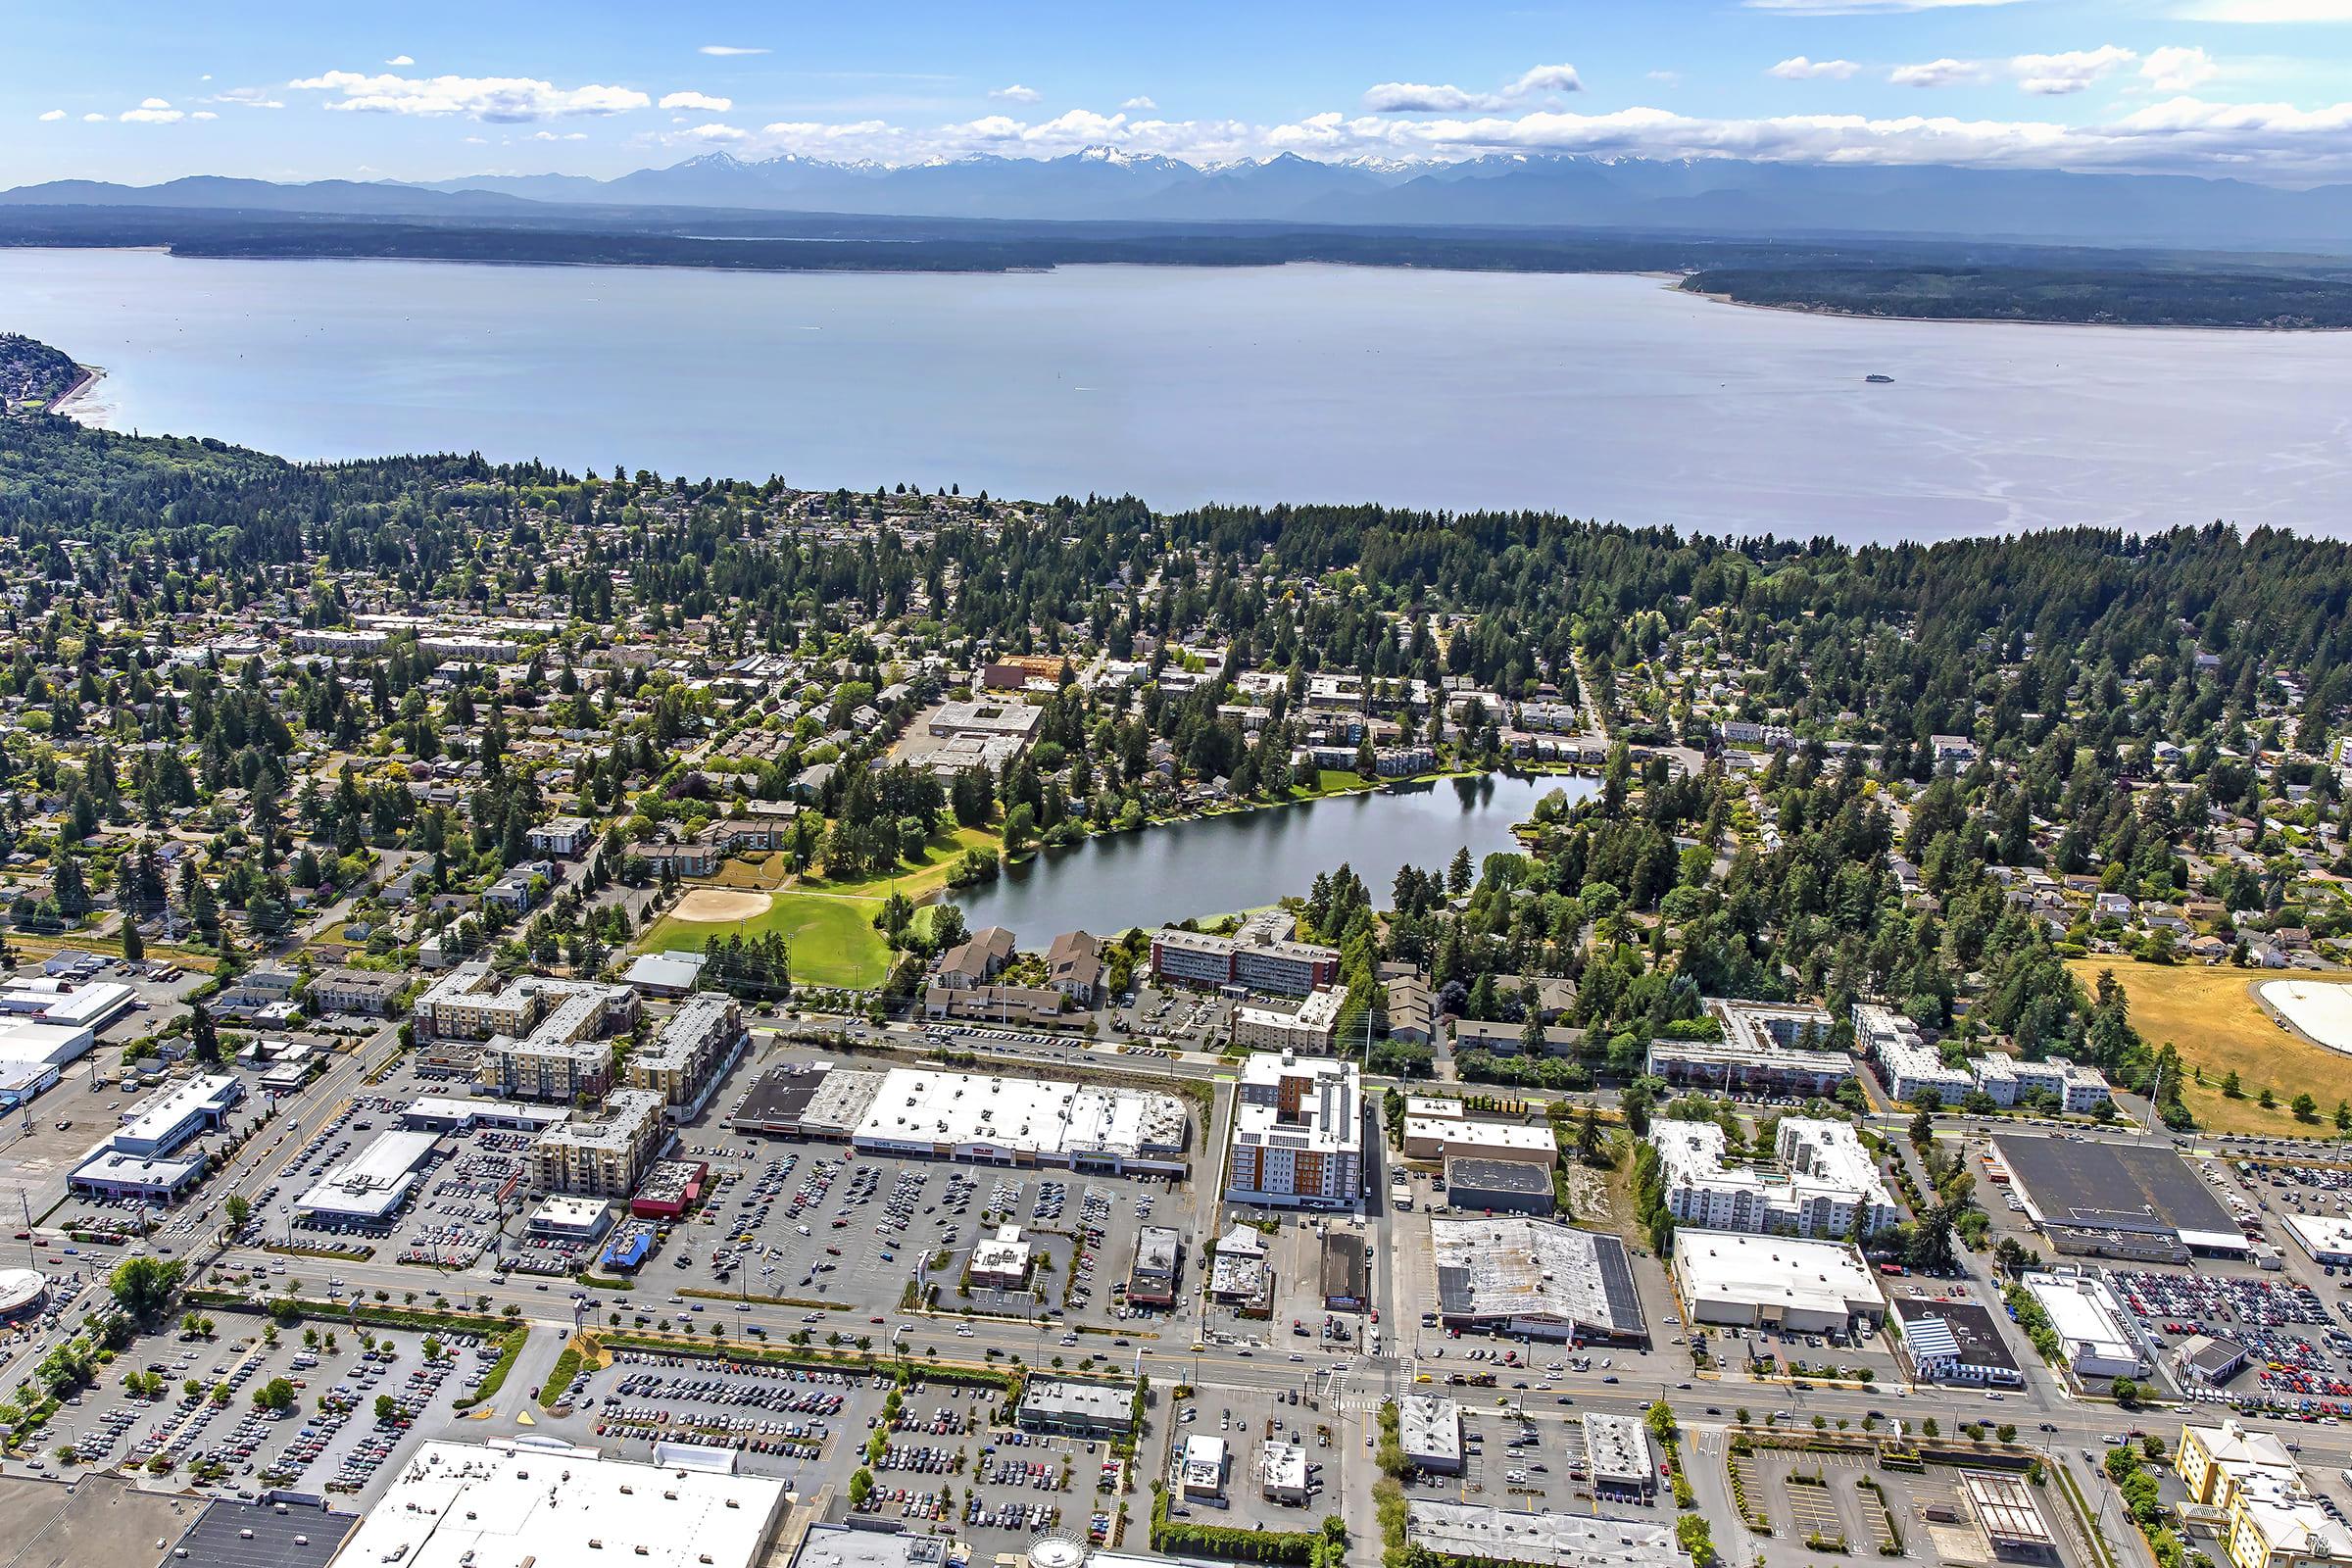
{"type": "Point", "coordinates": [830, 924]}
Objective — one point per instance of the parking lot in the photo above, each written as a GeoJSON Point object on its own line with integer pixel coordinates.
{"type": "Point", "coordinates": [841, 1232]}
{"type": "Point", "coordinates": [1246, 1420]}
{"type": "Point", "coordinates": [937, 1457]}
{"type": "Point", "coordinates": [189, 1410]}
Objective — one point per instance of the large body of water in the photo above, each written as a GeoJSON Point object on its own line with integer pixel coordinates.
{"type": "Point", "coordinates": [1218, 864]}
{"type": "Point", "coordinates": [1613, 397]}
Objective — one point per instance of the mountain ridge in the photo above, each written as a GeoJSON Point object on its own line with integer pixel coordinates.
{"type": "Point", "coordinates": [1536, 190]}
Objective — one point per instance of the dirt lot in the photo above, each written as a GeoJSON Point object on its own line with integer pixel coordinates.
{"type": "Point", "coordinates": [721, 904]}
{"type": "Point", "coordinates": [2212, 1016]}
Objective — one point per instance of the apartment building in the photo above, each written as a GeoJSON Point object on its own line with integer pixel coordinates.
{"type": "Point", "coordinates": [1907, 1064]}
{"type": "Point", "coordinates": [543, 1039]}
{"type": "Point", "coordinates": [1827, 1184]}
{"type": "Point", "coordinates": [2007, 1080]}
{"type": "Point", "coordinates": [562, 836]}
{"type": "Point", "coordinates": [2273, 1518]}
{"type": "Point", "coordinates": [604, 1156]}
{"type": "Point", "coordinates": [696, 1048]}
{"type": "Point", "coordinates": [1308, 1027]}
{"type": "Point", "coordinates": [354, 991]}
{"type": "Point", "coordinates": [340, 644]}
{"type": "Point", "coordinates": [1298, 1134]}
{"type": "Point", "coordinates": [471, 1003]}
{"type": "Point", "coordinates": [1258, 961]}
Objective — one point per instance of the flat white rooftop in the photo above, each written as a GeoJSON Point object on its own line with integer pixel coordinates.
{"type": "Point", "coordinates": [501, 1506]}
{"type": "Point", "coordinates": [1773, 1271]}
{"type": "Point", "coordinates": [2322, 1233]}
{"type": "Point", "coordinates": [912, 1106]}
{"type": "Point", "coordinates": [371, 1184]}
{"type": "Point", "coordinates": [2083, 1314]}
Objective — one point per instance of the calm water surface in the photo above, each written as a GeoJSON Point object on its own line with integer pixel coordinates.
{"type": "Point", "coordinates": [1222, 863]}
{"type": "Point", "coordinates": [1602, 396]}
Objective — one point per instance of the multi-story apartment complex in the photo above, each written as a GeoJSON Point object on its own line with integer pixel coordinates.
{"type": "Point", "coordinates": [603, 1157]}
{"type": "Point", "coordinates": [1258, 961]}
{"type": "Point", "coordinates": [341, 644]}
{"type": "Point", "coordinates": [543, 1037]}
{"type": "Point", "coordinates": [2007, 1080]}
{"type": "Point", "coordinates": [562, 836]}
{"type": "Point", "coordinates": [1259, 1026]}
{"type": "Point", "coordinates": [470, 1003]}
{"type": "Point", "coordinates": [1298, 1134]}
{"type": "Point", "coordinates": [2274, 1520]}
{"type": "Point", "coordinates": [1907, 1064]}
{"type": "Point", "coordinates": [1828, 1185]}
{"type": "Point", "coordinates": [564, 1058]}
{"type": "Point", "coordinates": [695, 1049]}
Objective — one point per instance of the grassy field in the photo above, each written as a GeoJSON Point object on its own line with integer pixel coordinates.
{"type": "Point", "coordinates": [2212, 1016]}
{"type": "Point", "coordinates": [833, 939]}
{"type": "Point", "coordinates": [830, 924]}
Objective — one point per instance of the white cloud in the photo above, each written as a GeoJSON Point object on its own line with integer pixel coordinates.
{"type": "Point", "coordinates": [717, 133]}
{"type": "Point", "coordinates": [2178, 70]}
{"type": "Point", "coordinates": [1945, 73]}
{"type": "Point", "coordinates": [1547, 78]}
{"type": "Point", "coordinates": [148, 114]}
{"type": "Point", "coordinates": [1669, 78]}
{"type": "Point", "coordinates": [696, 100]}
{"type": "Point", "coordinates": [2071, 72]}
{"type": "Point", "coordinates": [1016, 94]}
{"type": "Point", "coordinates": [53, 114]}
{"type": "Point", "coordinates": [1418, 98]}
{"type": "Point", "coordinates": [2266, 11]}
{"type": "Point", "coordinates": [2180, 134]}
{"type": "Point", "coordinates": [204, 114]}
{"type": "Point", "coordinates": [551, 135]}
{"type": "Point", "coordinates": [1139, 102]}
{"type": "Point", "coordinates": [499, 100]}
{"type": "Point", "coordinates": [400, 60]}
{"type": "Point", "coordinates": [726, 50]}
{"type": "Point", "coordinates": [155, 103]}
{"type": "Point", "coordinates": [1797, 68]}
{"type": "Point", "coordinates": [93, 118]}
{"type": "Point", "coordinates": [248, 98]}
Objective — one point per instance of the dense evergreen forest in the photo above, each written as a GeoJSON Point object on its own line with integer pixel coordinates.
{"type": "Point", "coordinates": [1996, 280]}
{"type": "Point", "coordinates": [2122, 296]}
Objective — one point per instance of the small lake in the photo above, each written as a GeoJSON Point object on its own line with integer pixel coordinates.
{"type": "Point", "coordinates": [1611, 397]}
{"type": "Point", "coordinates": [1218, 864]}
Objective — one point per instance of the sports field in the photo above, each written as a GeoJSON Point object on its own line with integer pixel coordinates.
{"type": "Point", "coordinates": [2211, 1015]}
{"type": "Point", "coordinates": [833, 939]}
{"type": "Point", "coordinates": [829, 924]}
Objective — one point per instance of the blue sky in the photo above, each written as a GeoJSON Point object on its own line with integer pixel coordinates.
{"type": "Point", "coordinates": [141, 90]}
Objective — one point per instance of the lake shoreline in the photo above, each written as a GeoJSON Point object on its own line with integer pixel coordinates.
{"type": "Point", "coordinates": [1254, 858]}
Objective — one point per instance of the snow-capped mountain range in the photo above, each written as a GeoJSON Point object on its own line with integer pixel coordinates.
{"type": "Point", "coordinates": [1711, 196]}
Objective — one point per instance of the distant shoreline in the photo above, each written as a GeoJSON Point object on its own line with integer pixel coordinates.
{"type": "Point", "coordinates": [1833, 313]}
{"type": "Point", "coordinates": [91, 375]}
{"type": "Point", "coordinates": [1897, 288]}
